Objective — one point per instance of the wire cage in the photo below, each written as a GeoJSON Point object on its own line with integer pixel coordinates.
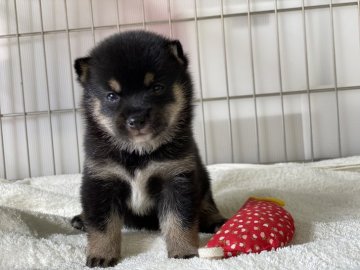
{"type": "Point", "coordinates": [275, 80]}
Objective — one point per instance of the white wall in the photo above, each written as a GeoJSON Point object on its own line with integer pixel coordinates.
{"type": "Point", "coordinates": [214, 77]}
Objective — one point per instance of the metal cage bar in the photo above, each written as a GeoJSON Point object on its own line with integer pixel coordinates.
{"type": "Point", "coordinates": [117, 15]}
{"type": "Point", "coordinates": [200, 81]}
{"type": "Point", "coordinates": [227, 80]}
{"type": "Point", "coordinates": [335, 77]}
{"type": "Point", "coordinates": [280, 80]}
{"type": "Point", "coordinates": [199, 18]}
{"type": "Point", "coordinates": [358, 5]}
{"type": "Point", "coordinates": [2, 144]}
{"type": "Point", "coordinates": [92, 21]}
{"type": "Point", "coordinates": [307, 78]}
{"type": "Point", "coordinates": [235, 97]}
{"type": "Point", "coordinates": [143, 14]}
{"type": "Point", "coordinates": [253, 81]}
{"type": "Point", "coordinates": [170, 19]}
{"type": "Point", "coordinates": [22, 91]}
{"type": "Point", "coordinates": [72, 86]}
{"type": "Point", "coordinates": [47, 90]}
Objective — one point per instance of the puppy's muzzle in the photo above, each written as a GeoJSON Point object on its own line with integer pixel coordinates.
{"type": "Point", "coordinates": [136, 121]}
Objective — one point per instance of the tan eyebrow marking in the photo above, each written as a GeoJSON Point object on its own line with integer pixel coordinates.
{"type": "Point", "coordinates": [149, 78]}
{"type": "Point", "coordinates": [115, 85]}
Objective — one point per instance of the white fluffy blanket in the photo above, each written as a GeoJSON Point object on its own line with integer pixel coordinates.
{"type": "Point", "coordinates": [323, 197]}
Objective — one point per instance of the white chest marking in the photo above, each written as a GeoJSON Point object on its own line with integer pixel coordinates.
{"type": "Point", "coordinates": [140, 201]}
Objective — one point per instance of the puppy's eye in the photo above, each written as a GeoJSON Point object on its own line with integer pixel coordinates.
{"type": "Point", "coordinates": [158, 89]}
{"type": "Point", "coordinates": [112, 97]}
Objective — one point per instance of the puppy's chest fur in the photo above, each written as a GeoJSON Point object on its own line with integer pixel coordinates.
{"type": "Point", "coordinates": [144, 186]}
{"type": "Point", "coordinates": [146, 183]}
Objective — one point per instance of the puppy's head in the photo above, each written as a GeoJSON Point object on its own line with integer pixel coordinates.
{"type": "Point", "coordinates": [136, 89]}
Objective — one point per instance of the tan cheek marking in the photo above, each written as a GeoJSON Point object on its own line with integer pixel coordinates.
{"type": "Point", "coordinates": [104, 121]}
{"type": "Point", "coordinates": [149, 78]}
{"type": "Point", "coordinates": [175, 108]}
{"type": "Point", "coordinates": [115, 85]}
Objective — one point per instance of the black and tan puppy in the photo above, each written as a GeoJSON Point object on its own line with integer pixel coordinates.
{"type": "Point", "coordinates": [142, 166]}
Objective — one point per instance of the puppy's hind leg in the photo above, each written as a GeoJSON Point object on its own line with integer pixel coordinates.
{"type": "Point", "coordinates": [210, 218]}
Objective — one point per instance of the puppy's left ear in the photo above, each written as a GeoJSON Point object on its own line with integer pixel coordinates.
{"type": "Point", "coordinates": [82, 66]}
{"type": "Point", "coordinates": [177, 51]}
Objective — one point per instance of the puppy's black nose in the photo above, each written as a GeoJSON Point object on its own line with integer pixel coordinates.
{"type": "Point", "coordinates": [136, 121]}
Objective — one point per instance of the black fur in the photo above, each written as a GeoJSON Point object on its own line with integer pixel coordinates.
{"type": "Point", "coordinates": [127, 58]}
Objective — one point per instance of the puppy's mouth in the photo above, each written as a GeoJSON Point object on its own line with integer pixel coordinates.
{"type": "Point", "coordinates": [141, 135]}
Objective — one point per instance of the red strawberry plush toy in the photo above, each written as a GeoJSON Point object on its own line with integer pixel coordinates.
{"type": "Point", "coordinates": [260, 224]}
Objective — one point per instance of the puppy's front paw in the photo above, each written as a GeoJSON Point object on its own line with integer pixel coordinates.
{"type": "Point", "coordinates": [183, 253]}
{"type": "Point", "coordinates": [188, 256]}
{"type": "Point", "coordinates": [93, 261]}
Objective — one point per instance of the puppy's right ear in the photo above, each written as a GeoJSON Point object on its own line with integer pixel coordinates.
{"type": "Point", "coordinates": [177, 51]}
{"type": "Point", "coordinates": [81, 66]}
